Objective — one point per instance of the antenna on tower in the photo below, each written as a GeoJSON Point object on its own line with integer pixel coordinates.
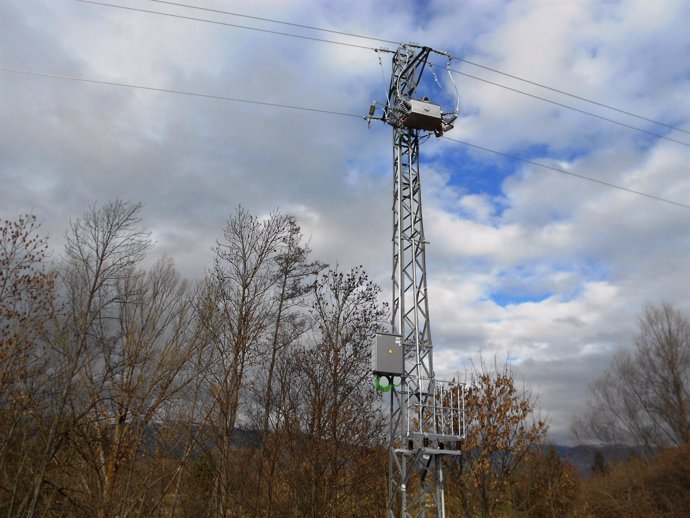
{"type": "Point", "coordinates": [427, 415]}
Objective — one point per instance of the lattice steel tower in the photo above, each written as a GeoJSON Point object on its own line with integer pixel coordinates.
{"type": "Point", "coordinates": [427, 414]}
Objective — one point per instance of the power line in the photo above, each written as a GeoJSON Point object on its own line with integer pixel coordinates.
{"type": "Point", "coordinates": [562, 92]}
{"type": "Point", "coordinates": [584, 112]}
{"type": "Point", "coordinates": [330, 112]}
{"type": "Point", "coordinates": [612, 121]}
{"type": "Point", "coordinates": [291, 24]}
{"type": "Point", "coordinates": [178, 92]}
{"type": "Point", "coordinates": [569, 173]}
{"type": "Point", "coordinates": [457, 58]}
{"type": "Point", "coordinates": [226, 24]}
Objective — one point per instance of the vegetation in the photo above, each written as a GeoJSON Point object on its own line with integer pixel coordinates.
{"type": "Point", "coordinates": [643, 399]}
{"type": "Point", "coordinates": [640, 488]}
{"type": "Point", "coordinates": [126, 391]}
{"type": "Point", "coordinates": [501, 439]}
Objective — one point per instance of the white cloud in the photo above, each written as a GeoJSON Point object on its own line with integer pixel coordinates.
{"type": "Point", "coordinates": [544, 267]}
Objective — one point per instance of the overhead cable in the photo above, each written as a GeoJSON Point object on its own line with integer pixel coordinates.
{"type": "Point", "coordinates": [568, 107]}
{"type": "Point", "coordinates": [291, 24]}
{"type": "Point", "coordinates": [226, 24]}
{"type": "Point", "coordinates": [574, 96]}
{"type": "Point", "coordinates": [457, 58]}
{"type": "Point", "coordinates": [330, 112]}
{"type": "Point", "coordinates": [569, 173]}
{"type": "Point", "coordinates": [172, 91]}
{"type": "Point", "coordinates": [612, 121]}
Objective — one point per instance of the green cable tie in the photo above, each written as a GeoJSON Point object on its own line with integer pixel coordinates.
{"type": "Point", "coordinates": [379, 387]}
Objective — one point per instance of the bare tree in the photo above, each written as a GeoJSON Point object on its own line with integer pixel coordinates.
{"type": "Point", "coordinates": [501, 434]}
{"type": "Point", "coordinates": [295, 275]}
{"type": "Point", "coordinates": [236, 311]}
{"type": "Point", "coordinates": [26, 314]}
{"type": "Point", "coordinates": [121, 392]}
{"type": "Point", "coordinates": [26, 295]}
{"type": "Point", "coordinates": [101, 248]}
{"type": "Point", "coordinates": [139, 367]}
{"type": "Point", "coordinates": [643, 399]}
{"type": "Point", "coordinates": [333, 422]}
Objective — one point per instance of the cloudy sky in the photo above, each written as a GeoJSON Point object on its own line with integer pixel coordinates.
{"type": "Point", "coordinates": [525, 262]}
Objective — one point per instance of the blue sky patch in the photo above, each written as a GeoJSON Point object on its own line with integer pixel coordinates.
{"type": "Point", "coordinates": [504, 299]}
{"type": "Point", "coordinates": [473, 175]}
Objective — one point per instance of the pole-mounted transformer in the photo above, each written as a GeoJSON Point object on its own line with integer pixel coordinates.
{"type": "Point", "coordinates": [427, 415]}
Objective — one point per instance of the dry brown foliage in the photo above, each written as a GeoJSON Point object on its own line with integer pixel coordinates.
{"type": "Point", "coordinates": [641, 489]}
{"type": "Point", "coordinates": [502, 432]}
{"type": "Point", "coordinates": [545, 487]}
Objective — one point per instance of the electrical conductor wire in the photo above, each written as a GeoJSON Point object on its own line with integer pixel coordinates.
{"type": "Point", "coordinates": [226, 24]}
{"type": "Point", "coordinates": [569, 173]}
{"type": "Point", "coordinates": [331, 112]}
{"type": "Point", "coordinates": [178, 92]}
{"type": "Point", "coordinates": [556, 103]}
{"type": "Point", "coordinates": [612, 121]}
{"type": "Point", "coordinates": [457, 58]}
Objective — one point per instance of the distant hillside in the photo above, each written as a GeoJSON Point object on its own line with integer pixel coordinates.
{"type": "Point", "coordinates": [582, 457]}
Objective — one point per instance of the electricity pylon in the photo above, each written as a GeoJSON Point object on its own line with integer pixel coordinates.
{"type": "Point", "coordinates": [427, 415]}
